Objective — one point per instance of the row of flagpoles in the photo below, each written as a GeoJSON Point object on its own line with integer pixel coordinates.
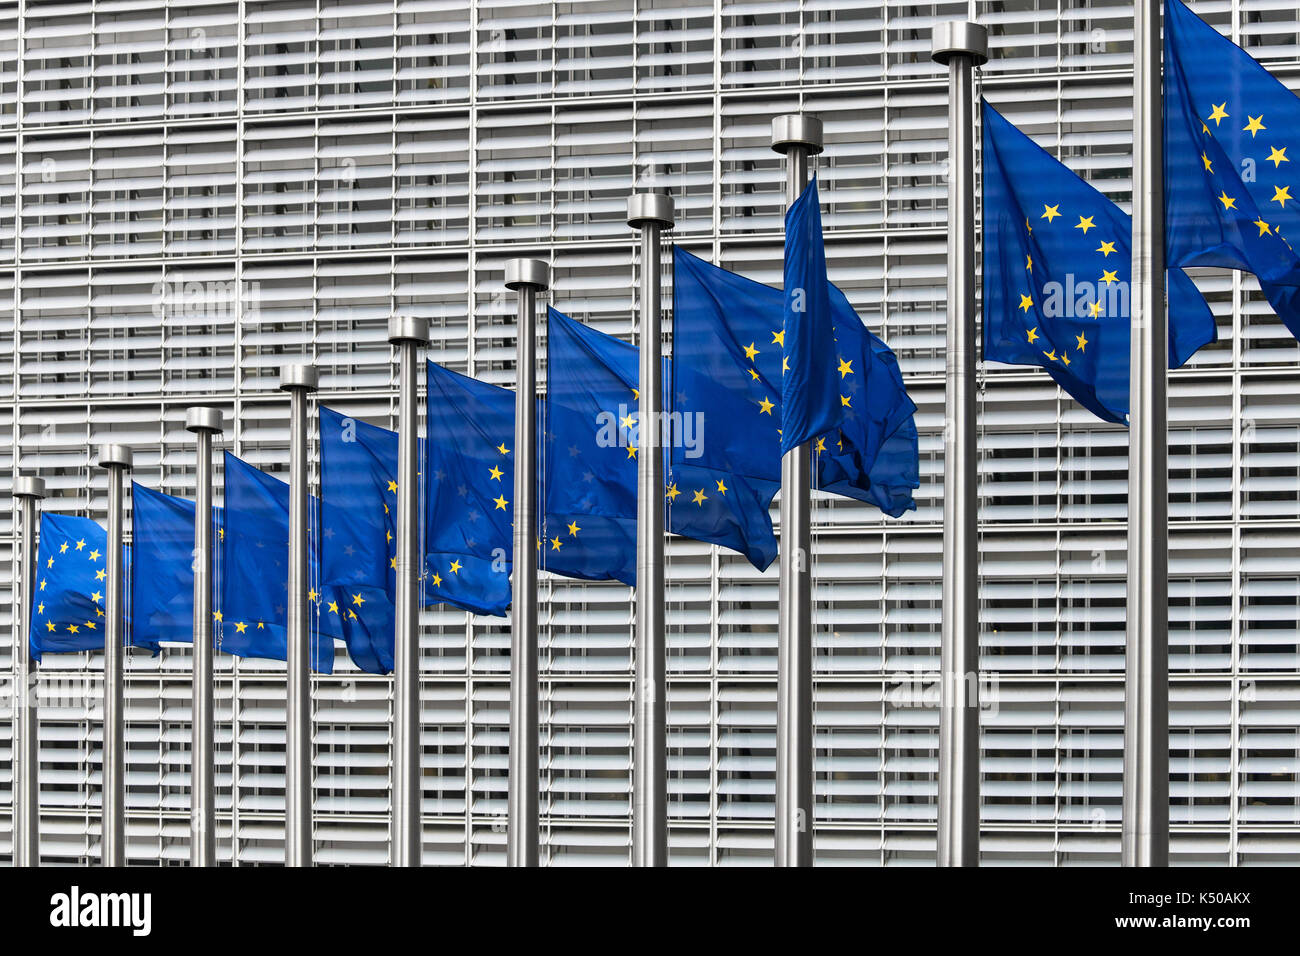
{"type": "Point", "coordinates": [1141, 334]}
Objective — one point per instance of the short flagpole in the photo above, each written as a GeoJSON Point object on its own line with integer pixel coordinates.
{"type": "Point", "coordinates": [27, 758]}
{"type": "Point", "coordinates": [651, 214]}
{"type": "Point", "coordinates": [799, 138]}
{"type": "Point", "coordinates": [204, 423]}
{"type": "Point", "coordinates": [527, 277]}
{"type": "Point", "coordinates": [408, 333]}
{"type": "Point", "coordinates": [961, 46]}
{"type": "Point", "coordinates": [299, 381]}
{"type": "Point", "coordinates": [117, 459]}
{"type": "Point", "coordinates": [1145, 806]}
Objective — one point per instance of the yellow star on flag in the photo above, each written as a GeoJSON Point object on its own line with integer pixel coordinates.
{"type": "Point", "coordinates": [1219, 115]}
{"type": "Point", "coordinates": [501, 503]}
{"type": "Point", "coordinates": [1277, 156]}
{"type": "Point", "coordinates": [1254, 125]}
{"type": "Point", "coordinates": [1085, 223]}
{"type": "Point", "coordinates": [1228, 201]}
{"type": "Point", "coordinates": [846, 368]}
{"type": "Point", "coordinates": [1281, 194]}
{"type": "Point", "coordinates": [1050, 212]}
{"type": "Point", "coordinates": [1025, 303]}
{"type": "Point", "coordinates": [700, 496]}
{"type": "Point", "coordinates": [750, 351]}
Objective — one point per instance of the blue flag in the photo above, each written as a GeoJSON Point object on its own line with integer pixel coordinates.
{"type": "Point", "coordinates": [359, 531]}
{"type": "Point", "coordinates": [1232, 132]}
{"type": "Point", "coordinates": [591, 482]}
{"type": "Point", "coordinates": [71, 591]}
{"type": "Point", "coordinates": [727, 355]}
{"type": "Point", "coordinates": [254, 611]}
{"type": "Point", "coordinates": [162, 582]}
{"type": "Point", "coordinates": [469, 487]}
{"type": "Point", "coordinates": [1057, 266]}
{"type": "Point", "coordinates": [810, 404]}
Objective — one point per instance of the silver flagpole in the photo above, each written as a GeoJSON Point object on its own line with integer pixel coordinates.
{"type": "Point", "coordinates": [117, 459]}
{"type": "Point", "coordinates": [204, 422]}
{"type": "Point", "coordinates": [408, 333]}
{"type": "Point", "coordinates": [651, 213]}
{"type": "Point", "coordinates": [1146, 679]}
{"type": "Point", "coordinates": [27, 759]}
{"type": "Point", "coordinates": [299, 381]}
{"type": "Point", "coordinates": [799, 137]}
{"type": "Point", "coordinates": [528, 277]}
{"type": "Point", "coordinates": [962, 46]}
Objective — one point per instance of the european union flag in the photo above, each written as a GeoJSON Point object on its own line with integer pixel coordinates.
{"type": "Point", "coordinates": [162, 582]}
{"type": "Point", "coordinates": [469, 464]}
{"type": "Point", "coordinates": [68, 602]}
{"type": "Point", "coordinates": [254, 615]}
{"type": "Point", "coordinates": [811, 403]}
{"type": "Point", "coordinates": [727, 353]}
{"type": "Point", "coordinates": [359, 530]}
{"type": "Point", "coordinates": [593, 434]}
{"type": "Point", "coordinates": [1229, 131]}
{"type": "Point", "coordinates": [1057, 266]}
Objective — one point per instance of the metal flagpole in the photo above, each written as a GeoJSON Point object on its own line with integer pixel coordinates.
{"type": "Point", "coordinates": [27, 759]}
{"type": "Point", "coordinates": [799, 137]}
{"type": "Point", "coordinates": [117, 459]}
{"type": "Point", "coordinates": [299, 381]}
{"type": "Point", "coordinates": [527, 277]}
{"type": "Point", "coordinates": [651, 213]}
{"type": "Point", "coordinates": [1146, 663]}
{"type": "Point", "coordinates": [408, 333]}
{"type": "Point", "coordinates": [961, 46]}
{"type": "Point", "coordinates": [204, 422]}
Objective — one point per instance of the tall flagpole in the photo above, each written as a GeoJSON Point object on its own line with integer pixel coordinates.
{"type": "Point", "coordinates": [1146, 663]}
{"type": "Point", "coordinates": [961, 46]}
{"type": "Point", "coordinates": [527, 277]}
{"type": "Point", "coordinates": [299, 381]}
{"type": "Point", "coordinates": [651, 213]}
{"type": "Point", "coordinates": [799, 137]}
{"type": "Point", "coordinates": [27, 759]}
{"type": "Point", "coordinates": [204, 422]}
{"type": "Point", "coordinates": [117, 459]}
{"type": "Point", "coordinates": [408, 333]}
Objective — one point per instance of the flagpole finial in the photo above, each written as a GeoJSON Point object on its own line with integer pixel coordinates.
{"type": "Point", "coordinates": [305, 377]}
{"type": "Point", "coordinates": [107, 456]}
{"type": "Point", "coordinates": [645, 209]}
{"type": "Point", "coordinates": [960, 38]}
{"type": "Point", "coordinates": [528, 273]}
{"type": "Point", "coordinates": [797, 130]}
{"type": "Point", "coordinates": [408, 328]}
{"type": "Point", "coordinates": [27, 486]}
{"type": "Point", "coordinates": [202, 418]}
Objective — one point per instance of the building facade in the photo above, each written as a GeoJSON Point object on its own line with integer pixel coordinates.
{"type": "Point", "coordinates": [195, 193]}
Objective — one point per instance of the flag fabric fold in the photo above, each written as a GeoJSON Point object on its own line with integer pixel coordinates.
{"type": "Point", "coordinates": [162, 585]}
{"type": "Point", "coordinates": [70, 592]}
{"type": "Point", "coordinates": [1232, 132]}
{"type": "Point", "coordinates": [728, 354]}
{"type": "Point", "coordinates": [359, 536]}
{"type": "Point", "coordinates": [1057, 270]}
{"type": "Point", "coordinates": [810, 404]}
{"type": "Point", "coordinates": [253, 620]}
{"type": "Point", "coordinates": [469, 488]}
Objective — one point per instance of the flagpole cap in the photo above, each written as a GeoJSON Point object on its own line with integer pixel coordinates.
{"type": "Point", "coordinates": [528, 273]}
{"type": "Point", "coordinates": [408, 328]}
{"type": "Point", "coordinates": [650, 209]}
{"type": "Point", "coordinates": [305, 377]}
{"type": "Point", "coordinates": [797, 130]}
{"type": "Point", "coordinates": [28, 486]}
{"type": "Point", "coordinates": [960, 38]}
{"type": "Point", "coordinates": [114, 456]}
{"type": "Point", "coordinates": [201, 418]}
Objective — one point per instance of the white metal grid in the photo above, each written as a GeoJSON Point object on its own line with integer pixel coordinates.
{"type": "Point", "coordinates": [198, 190]}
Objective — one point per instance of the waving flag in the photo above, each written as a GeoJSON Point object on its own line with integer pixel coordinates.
{"type": "Point", "coordinates": [254, 616]}
{"type": "Point", "coordinates": [1232, 132]}
{"type": "Point", "coordinates": [68, 601]}
{"type": "Point", "coordinates": [727, 350]}
{"type": "Point", "coordinates": [591, 481]}
{"type": "Point", "coordinates": [469, 484]}
{"type": "Point", "coordinates": [810, 398]}
{"type": "Point", "coordinates": [1057, 266]}
{"type": "Point", "coordinates": [162, 583]}
{"type": "Point", "coordinates": [358, 528]}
